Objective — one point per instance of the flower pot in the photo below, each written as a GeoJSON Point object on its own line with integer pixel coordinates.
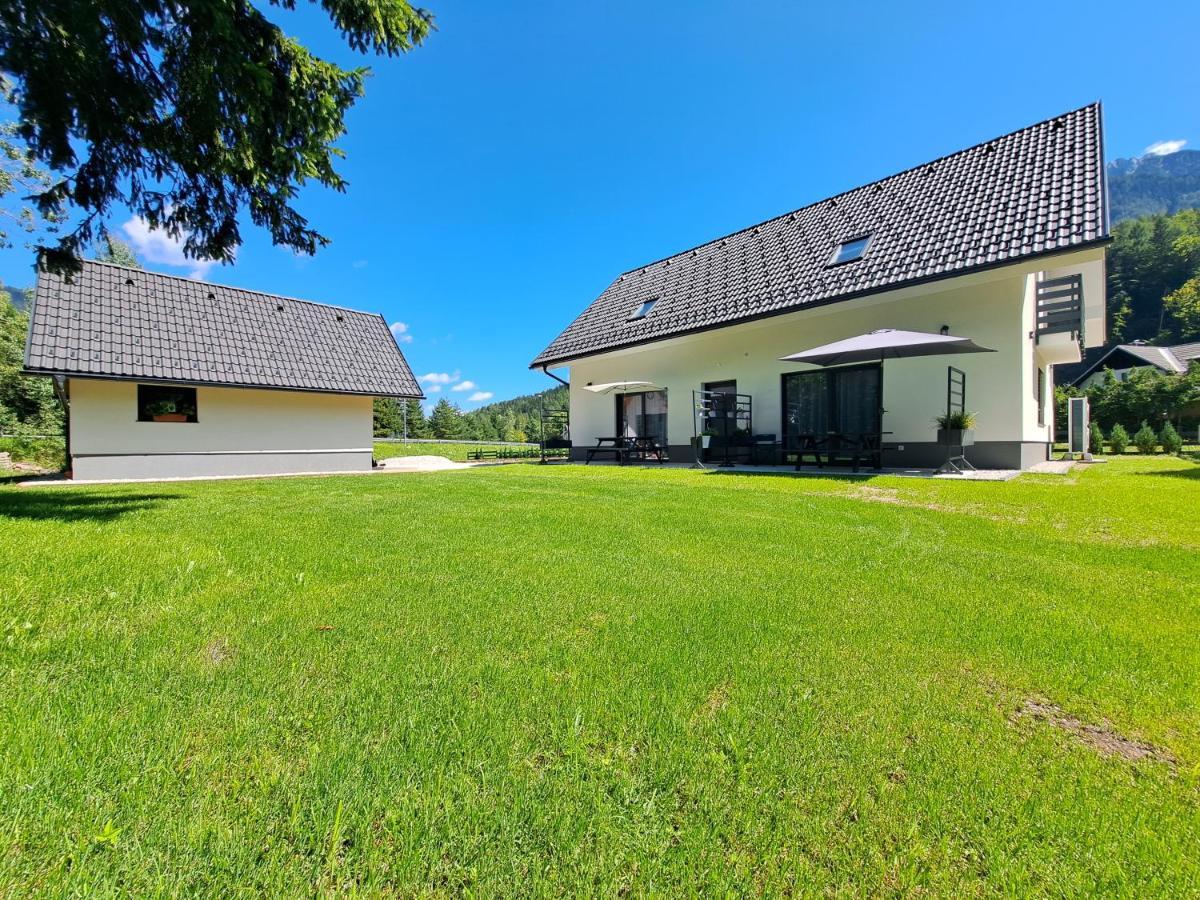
{"type": "Point", "coordinates": [706, 440]}
{"type": "Point", "coordinates": [956, 437]}
{"type": "Point", "coordinates": [170, 417]}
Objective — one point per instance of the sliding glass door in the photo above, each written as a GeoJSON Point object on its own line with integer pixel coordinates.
{"type": "Point", "coordinates": [846, 401]}
{"type": "Point", "coordinates": [643, 415]}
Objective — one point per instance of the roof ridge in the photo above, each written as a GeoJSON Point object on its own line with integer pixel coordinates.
{"type": "Point", "coordinates": [1087, 106]}
{"type": "Point", "coordinates": [228, 287]}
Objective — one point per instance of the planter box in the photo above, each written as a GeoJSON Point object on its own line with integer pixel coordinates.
{"type": "Point", "coordinates": [956, 437]}
{"type": "Point", "coordinates": [170, 417]}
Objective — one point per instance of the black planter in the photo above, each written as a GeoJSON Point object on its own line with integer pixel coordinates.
{"type": "Point", "coordinates": [956, 437]}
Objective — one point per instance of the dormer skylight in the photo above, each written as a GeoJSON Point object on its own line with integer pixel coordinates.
{"type": "Point", "coordinates": [643, 310]}
{"type": "Point", "coordinates": [849, 251]}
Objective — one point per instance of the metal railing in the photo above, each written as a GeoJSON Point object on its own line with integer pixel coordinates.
{"type": "Point", "coordinates": [1060, 306]}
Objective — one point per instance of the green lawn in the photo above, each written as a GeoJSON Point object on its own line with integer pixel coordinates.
{"type": "Point", "coordinates": [526, 679]}
{"type": "Point", "coordinates": [455, 451]}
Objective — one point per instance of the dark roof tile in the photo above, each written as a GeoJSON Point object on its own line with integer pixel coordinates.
{"type": "Point", "coordinates": [1033, 191]}
{"type": "Point", "coordinates": [109, 321]}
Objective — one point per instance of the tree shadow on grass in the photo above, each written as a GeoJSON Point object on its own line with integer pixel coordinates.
{"type": "Point", "coordinates": [1192, 473]}
{"type": "Point", "coordinates": [73, 506]}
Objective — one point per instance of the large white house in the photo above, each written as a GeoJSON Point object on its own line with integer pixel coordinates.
{"type": "Point", "coordinates": [1003, 243]}
{"type": "Point", "coordinates": [166, 377]}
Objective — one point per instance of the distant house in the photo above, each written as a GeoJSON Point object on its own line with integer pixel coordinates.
{"type": "Point", "coordinates": [1125, 358]}
{"type": "Point", "coordinates": [1003, 243]}
{"type": "Point", "coordinates": [167, 377]}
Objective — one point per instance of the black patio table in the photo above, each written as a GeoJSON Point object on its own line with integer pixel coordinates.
{"type": "Point", "coordinates": [624, 449]}
{"type": "Point", "coordinates": [855, 446]}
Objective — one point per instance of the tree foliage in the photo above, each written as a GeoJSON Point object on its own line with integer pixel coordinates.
{"type": "Point", "coordinates": [1146, 395]}
{"type": "Point", "coordinates": [1154, 278]}
{"type": "Point", "coordinates": [186, 111]}
{"type": "Point", "coordinates": [25, 403]}
{"type": "Point", "coordinates": [114, 250]}
{"type": "Point", "coordinates": [1118, 439]}
{"type": "Point", "coordinates": [1145, 439]}
{"type": "Point", "coordinates": [446, 422]}
{"type": "Point", "coordinates": [1170, 439]}
{"type": "Point", "coordinates": [20, 179]}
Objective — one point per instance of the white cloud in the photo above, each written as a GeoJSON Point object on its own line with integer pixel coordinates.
{"type": "Point", "coordinates": [480, 396]}
{"type": "Point", "coordinates": [438, 378]}
{"type": "Point", "coordinates": [157, 246]}
{"type": "Point", "coordinates": [433, 389]}
{"type": "Point", "coordinates": [400, 332]}
{"type": "Point", "coordinates": [1165, 148]}
{"type": "Point", "coordinates": [465, 386]}
{"type": "Point", "coordinates": [359, 264]}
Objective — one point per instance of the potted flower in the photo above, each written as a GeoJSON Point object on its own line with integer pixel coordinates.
{"type": "Point", "coordinates": [956, 429]}
{"type": "Point", "coordinates": [166, 411]}
{"type": "Point", "coordinates": [706, 437]}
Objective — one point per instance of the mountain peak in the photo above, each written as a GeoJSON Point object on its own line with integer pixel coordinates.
{"type": "Point", "coordinates": [1153, 183]}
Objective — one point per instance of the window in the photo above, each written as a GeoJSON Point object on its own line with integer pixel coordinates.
{"type": "Point", "coordinates": [845, 400]}
{"type": "Point", "coordinates": [849, 251]}
{"type": "Point", "coordinates": [644, 310]}
{"type": "Point", "coordinates": [160, 403]}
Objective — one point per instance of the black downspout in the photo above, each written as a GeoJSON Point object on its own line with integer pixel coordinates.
{"type": "Point", "coordinates": [546, 371]}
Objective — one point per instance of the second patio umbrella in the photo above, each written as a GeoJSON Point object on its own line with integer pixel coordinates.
{"type": "Point", "coordinates": [885, 343]}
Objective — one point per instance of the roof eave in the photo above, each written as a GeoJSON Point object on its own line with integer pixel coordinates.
{"type": "Point", "coordinates": [192, 382]}
{"type": "Point", "coordinates": [539, 362]}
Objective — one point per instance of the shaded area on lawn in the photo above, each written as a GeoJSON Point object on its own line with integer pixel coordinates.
{"type": "Point", "coordinates": [70, 505]}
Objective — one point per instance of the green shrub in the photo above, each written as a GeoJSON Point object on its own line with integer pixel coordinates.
{"type": "Point", "coordinates": [1145, 439]}
{"type": "Point", "coordinates": [1170, 439]}
{"type": "Point", "coordinates": [47, 452]}
{"type": "Point", "coordinates": [1095, 438]}
{"type": "Point", "coordinates": [1118, 439]}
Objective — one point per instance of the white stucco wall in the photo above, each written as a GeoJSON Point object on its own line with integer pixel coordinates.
{"type": "Point", "coordinates": [993, 308]}
{"type": "Point", "coordinates": [238, 432]}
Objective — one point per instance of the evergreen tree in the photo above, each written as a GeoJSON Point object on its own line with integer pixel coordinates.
{"type": "Point", "coordinates": [196, 115]}
{"type": "Point", "coordinates": [418, 426]}
{"type": "Point", "coordinates": [1170, 439]}
{"type": "Point", "coordinates": [114, 250]}
{"type": "Point", "coordinates": [446, 422]}
{"type": "Point", "coordinates": [1118, 439]}
{"type": "Point", "coordinates": [388, 419]}
{"type": "Point", "coordinates": [1145, 439]}
{"type": "Point", "coordinates": [1095, 438]}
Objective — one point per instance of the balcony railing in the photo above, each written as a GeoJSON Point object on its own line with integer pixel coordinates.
{"type": "Point", "coordinates": [1060, 306]}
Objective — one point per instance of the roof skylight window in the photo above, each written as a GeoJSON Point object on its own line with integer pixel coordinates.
{"type": "Point", "coordinates": [849, 251]}
{"type": "Point", "coordinates": [644, 310]}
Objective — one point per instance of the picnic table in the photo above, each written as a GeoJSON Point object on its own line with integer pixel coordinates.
{"type": "Point", "coordinates": [624, 449]}
{"type": "Point", "coordinates": [856, 447]}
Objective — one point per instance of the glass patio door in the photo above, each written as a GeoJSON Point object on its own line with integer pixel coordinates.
{"type": "Point", "coordinates": [847, 401]}
{"type": "Point", "coordinates": [643, 415]}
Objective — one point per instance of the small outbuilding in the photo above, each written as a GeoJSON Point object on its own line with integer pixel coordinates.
{"type": "Point", "coordinates": [166, 377]}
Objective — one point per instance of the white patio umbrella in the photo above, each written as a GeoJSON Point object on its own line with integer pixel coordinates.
{"type": "Point", "coordinates": [885, 343]}
{"type": "Point", "coordinates": [621, 387]}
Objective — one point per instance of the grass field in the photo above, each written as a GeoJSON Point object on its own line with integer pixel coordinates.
{"type": "Point", "coordinates": [455, 451]}
{"type": "Point", "coordinates": [528, 680]}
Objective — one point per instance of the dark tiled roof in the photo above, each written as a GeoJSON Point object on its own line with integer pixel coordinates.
{"type": "Point", "coordinates": [1173, 360]}
{"type": "Point", "coordinates": [110, 321]}
{"type": "Point", "coordinates": [1038, 190]}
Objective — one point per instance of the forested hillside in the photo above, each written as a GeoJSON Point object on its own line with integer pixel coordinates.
{"type": "Point", "coordinates": [518, 419]}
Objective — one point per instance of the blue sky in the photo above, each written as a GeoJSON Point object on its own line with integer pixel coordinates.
{"type": "Point", "coordinates": [504, 173]}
